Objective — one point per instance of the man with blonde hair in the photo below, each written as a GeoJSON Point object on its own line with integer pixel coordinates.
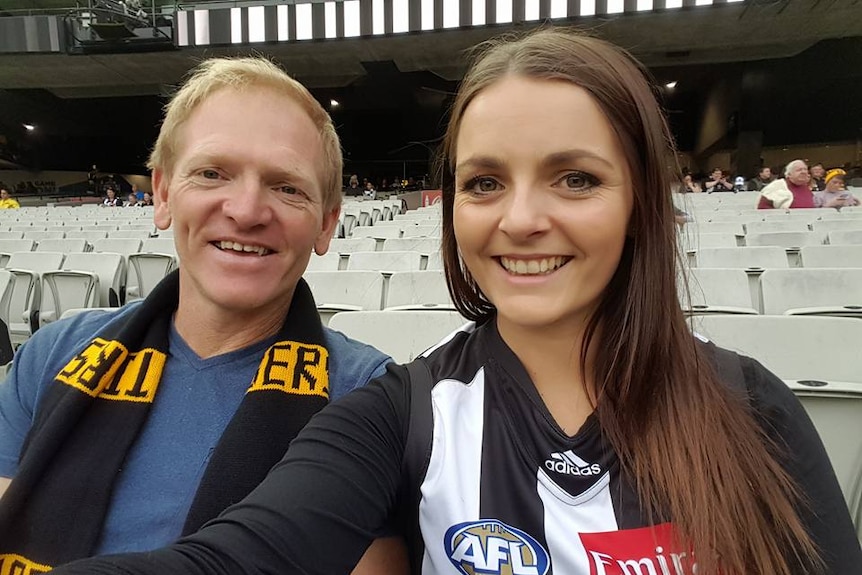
{"type": "Point", "coordinates": [122, 431]}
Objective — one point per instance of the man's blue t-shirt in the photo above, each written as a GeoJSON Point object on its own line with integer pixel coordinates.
{"type": "Point", "coordinates": [196, 400]}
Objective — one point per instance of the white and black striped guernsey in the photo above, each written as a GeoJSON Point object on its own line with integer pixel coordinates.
{"type": "Point", "coordinates": [507, 492]}
{"type": "Point", "coordinates": [468, 461]}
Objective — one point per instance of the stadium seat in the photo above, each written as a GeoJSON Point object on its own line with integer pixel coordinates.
{"type": "Point", "coordinates": [24, 308]}
{"type": "Point", "coordinates": [149, 268]}
{"type": "Point", "coordinates": [385, 262]}
{"type": "Point", "coordinates": [718, 290]}
{"type": "Point", "coordinates": [424, 246]}
{"type": "Point", "coordinates": [418, 290]}
{"type": "Point", "coordinates": [85, 280]}
{"type": "Point", "coordinates": [435, 261]}
{"type": "Point", "coordinates": [791, 225]}
{"type": "Point", "coordinates": [329, 261]}
{"type": "Point", "coordinates": [8, 247]}
{"type": "Point", "coordinates": [784, 239]}
{"type": "Point", "coordinates": [346, 246]}
{"type": "Point", "coordinates": [823, 291]}
{"type": "Point", "coordinates": [423, 231]}
{"type": "Point", "coordinates": [851, 237]}
{"type": "Point", "coordinates": [64, 245]}
{"type": "Point", "coordinates": [759, 257]}
{"type": "Point", "coordinates": [831, 256]}
{"type": "Point", "coordinates": [395, 332]}
{"type": "Point", "coordinates": [346, 290]}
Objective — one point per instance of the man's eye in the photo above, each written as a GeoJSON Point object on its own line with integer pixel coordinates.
{"type": "Point", "coordinates": [288, 190]}
{"type": "Point", "coordinates": [210, 174]}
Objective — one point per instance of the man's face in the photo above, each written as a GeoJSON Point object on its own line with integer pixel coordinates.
{"type": "Point", "coordinates": [4, 195]}
{"type": "Point", "coordinates": [716, 174]}
{"type": "Point", "coordinates": [799, 174]}
{"type": "Point", "coordinates": [245, 200]}
{"type": "Point", "coordinates": [765, 174]}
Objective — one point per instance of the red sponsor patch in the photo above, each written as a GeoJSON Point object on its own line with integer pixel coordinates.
{"type": "Point", "coordinates": [645, 551]}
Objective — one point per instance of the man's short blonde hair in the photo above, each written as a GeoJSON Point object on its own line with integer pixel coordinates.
{"type": "Point", "coordinates": [240, 74]}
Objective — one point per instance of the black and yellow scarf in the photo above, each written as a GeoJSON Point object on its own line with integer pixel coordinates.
{"type": "Point", "coordinates": [90, 417]}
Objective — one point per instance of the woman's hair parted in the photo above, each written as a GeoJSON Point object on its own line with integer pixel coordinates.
{"type": "Point", "coordinates": [691, 445]}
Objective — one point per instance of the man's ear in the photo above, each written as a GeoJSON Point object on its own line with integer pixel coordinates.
{"type": "Point", "coordinates": [330, 220]}
{"type": "Point", "coordinates": [162, 210]}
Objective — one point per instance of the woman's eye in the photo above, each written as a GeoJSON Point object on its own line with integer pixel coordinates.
{"type": "Point", "coordinates": [580, 181]}
{"type": "Point", "coordinates": [486, 185]}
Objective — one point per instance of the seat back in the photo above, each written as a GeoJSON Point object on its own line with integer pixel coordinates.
{"type": "Point", "coordinates": [422, 289]}
{"type": "Point", "coordinates": [386, 262]}
{"type": "Point", "coordinates": [784, 239]}
{"type": "Point", "coordinates": [819, 291]}
{"type": "Point", "coordinates": [345, 290]}
{"type": "Point", "coordinates": [831, 256]}
{"type": "Point", "coordinates": [329, 261]}
{"type": "Point", "coordinates": [110, 268]}
{"type": "Point", "coordinates": [148, 270]}
{"type": "Point", "coordinates": [846, 237]}
{"type": "Point", "coordinates": [762, 257]}
{"type": "Point", "coordinates": [65, 245]}
{"type": "Point", "coordinates": [424, 246]}
{"type": "Point", "coordinates": [395, 332]}
{"type": "Point", "coordinates": [718, 290]}
{"type": "Point", "coordinates": [24, 306]}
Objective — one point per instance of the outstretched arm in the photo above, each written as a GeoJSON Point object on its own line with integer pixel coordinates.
{"type": "Point", "coordinates": [315, 513]}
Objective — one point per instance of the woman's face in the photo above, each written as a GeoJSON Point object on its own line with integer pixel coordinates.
{"type": "Point", "coordinates": [543, 200]}
{"type": "Point", "coordinates": [836, 184]}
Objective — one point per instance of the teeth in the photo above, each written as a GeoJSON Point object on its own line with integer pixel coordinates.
{"type": "Point", "coordinates": [533, 267]}
{"type": "Point", "coordinates": [237, 247]}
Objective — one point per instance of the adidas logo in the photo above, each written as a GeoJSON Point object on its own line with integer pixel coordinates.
{"type": "Point", "coordinates": [567, 463]}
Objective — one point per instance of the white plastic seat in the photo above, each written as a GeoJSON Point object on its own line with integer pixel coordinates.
{"type": "Point", "coordinates": [8, 247]}
{"type": "Point", "coordinates": [90, 236]}
{"type": "Point", "coordinates": [418, 290]}
{"type": "Point", "coordinates": [159, 245]}
{"type": "Point", "coordinates": [7, 287]}
{"type": "Point", "coordinates": [125, 246]}
{"type": "Point", "coordinates": [831, 256]}
{"type": "Point", "coordinates": [693, 242]}
{"type": "Point", "coordinates": [759, 257]}
{"type": "Point", "coordinates": [814, 355]}
{"type": "Point", "coordinates": [65, 245]}
{"type": "Point", "coordinates": [336, 291]}
{"type": "Point", "coordinates": [7, 235]}
{"type": "Point", "coordinates": [329, 261]}
{"type": "Point", "coordinates": [43, 235]}
{"type": "Point", "coordinates": [85, 280]}
{"type": "Point", "coordinates": [423, 230]}
{"type": "Point", "coordinates": [791, 225]}
{"type": "Point", "coordinates": [129, 234]}
{"type": "Point", "coordinates": [346, 246]}
{"type": "Point", "coordinates": [376, 232]}
{"type": "Point", "coordinates": [424, 246]}
{"type": "Point", "coordinates": [149, 269]}
{"type": "Point", "coordinates": [718, 290]}
{"type": "Point", "coordinates": [837, 225]}
{"type": "Point", "coordinates": [820, 291]}
{"type": "Point", "coordinates": [386, 262]}
{"type": "Point", "coordinates": [435, 261]}
{"type": "Point", "coordinates": [25, 305]}
{"type": "Point", "coordinates": [397, 333]}
{"type": "Point", "coordinates": [784, 239]}
{"type": "Point", "coordinates": [846, 237]}
{"type": "Point", "coordinates": [698, 228]}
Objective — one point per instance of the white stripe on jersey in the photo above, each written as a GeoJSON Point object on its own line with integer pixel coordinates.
{"type": "Point", "coordinates": [450, 491]}
{"type": "Point", "coordinates": [592, 511]}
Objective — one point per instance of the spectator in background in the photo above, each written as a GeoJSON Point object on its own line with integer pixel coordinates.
{"type": "Point", "coordinates": [132, 201]}
{"type": "Point", "coordinates": [818, 183]}
{"type": "Point", "coordinates": [148, 200]}
{"type": "Point", "coordinates": [760, 181]}
{"type": "Point", "coordinates": [717, 182]}
{"type": "Point", "coordinates": [791, 192]}
{"type": "Point", "coordinates": [139, 195]}
{"type": "Point", "coordinates": [111, 200]}
{"type": "Point", "coordinates": [835, 195]}
{"type": "Point", "coordinates": [689, 186]}
{"type": "Point", "coordinates": [369, 192]}
{"type": "Point", "coordinates": [7, 202]}
{"type": "Point", "coordinates": [353, 188]}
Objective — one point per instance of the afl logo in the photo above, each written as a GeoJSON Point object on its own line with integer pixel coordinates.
{"type": "Point", "coordinates": [490, 546]}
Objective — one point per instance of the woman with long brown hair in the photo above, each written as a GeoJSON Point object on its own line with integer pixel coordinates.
{"type": "Point", "coordinates": [576, 426]}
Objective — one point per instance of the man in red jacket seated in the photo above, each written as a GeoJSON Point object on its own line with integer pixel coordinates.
{"type": "Point", "coordinates": [793, 191]}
